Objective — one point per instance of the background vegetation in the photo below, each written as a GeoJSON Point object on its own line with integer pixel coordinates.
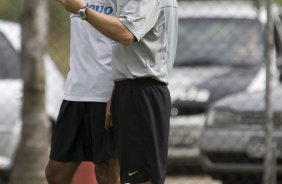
{"type": "Point", "coordinates": [59, 33]}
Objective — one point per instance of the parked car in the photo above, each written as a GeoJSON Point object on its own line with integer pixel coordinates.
{"type": "Point", "coordinates": [220, 52]}
{"type": "Point", "coordinates": [232, 143]}
{"type": "Point", "coordinates": [11, 93]}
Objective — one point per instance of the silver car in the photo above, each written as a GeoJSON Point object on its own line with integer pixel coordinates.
{"type": "Point", "coordinates": [232, 143]}
{"type": "Point", "coordinates": [11, 93]}
{"type": "Point", "coordinates": [219, 53]}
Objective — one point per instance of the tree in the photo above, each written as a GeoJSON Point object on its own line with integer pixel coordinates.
{"type": "Point", "coordinates": [33, 151]}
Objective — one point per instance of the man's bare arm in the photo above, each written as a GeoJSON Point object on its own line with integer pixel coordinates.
{"type": "Point", "coordinates": [110, 26]}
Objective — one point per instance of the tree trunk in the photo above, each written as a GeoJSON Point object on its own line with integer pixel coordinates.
{"type": "Point", "coordinates": [34, 149]}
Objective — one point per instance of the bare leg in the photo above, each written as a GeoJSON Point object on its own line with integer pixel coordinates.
{"type": "Point", "coordinates": [147, 182]}
{"type": "Point", "coordinates": [114, 171]}
{"type": "Point", "coordinates": [60, 172]}
{"type": "Point", "coordinates": [107, 172]}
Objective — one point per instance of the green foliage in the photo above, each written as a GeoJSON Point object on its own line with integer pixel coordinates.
{"type": "Point", "coordinates": [10, 9]}
{"type": "Point", "coordinates": [59, 33]}
{"type": "Point", "coordinates": [58, 40]}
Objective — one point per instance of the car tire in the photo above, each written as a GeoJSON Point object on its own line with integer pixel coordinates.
{"type": "Point", "coordinates": [4, 177]}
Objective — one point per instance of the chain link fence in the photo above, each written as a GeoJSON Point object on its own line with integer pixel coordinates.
{"type": "Point", "coordinates": [217, 86]}
{"type": "Point", "coordinates": [218, 91]}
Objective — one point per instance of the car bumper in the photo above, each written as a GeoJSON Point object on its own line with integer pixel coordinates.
{"type": "Point", "coordinates": [236, 149]}
{"type": "Point", "coordinates": [184, 136]}
{"type": "Point", "coordinates": [9, 142]}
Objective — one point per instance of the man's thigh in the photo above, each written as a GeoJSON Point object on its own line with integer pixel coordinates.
{"type": "Point", "coordinates": [108, 171]}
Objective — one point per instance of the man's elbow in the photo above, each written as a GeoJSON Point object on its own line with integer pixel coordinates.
{"type": "Point", "coordinates": [127, 39]}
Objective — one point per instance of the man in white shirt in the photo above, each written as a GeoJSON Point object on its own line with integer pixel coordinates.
{"type": "Point", "coordinates": [146, 32]}
{"type": "Point", "coordinates": [81, 133]}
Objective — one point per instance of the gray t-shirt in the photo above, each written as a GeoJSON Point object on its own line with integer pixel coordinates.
{"type": "Point", "coordinates": [154, 23]}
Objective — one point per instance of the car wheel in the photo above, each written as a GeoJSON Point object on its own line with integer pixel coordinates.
{"type": "Point", "coordinates": [4, 177]}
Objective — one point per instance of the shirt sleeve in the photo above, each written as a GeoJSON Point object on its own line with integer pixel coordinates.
{"type": "Point", "coordinates": [139, 16]}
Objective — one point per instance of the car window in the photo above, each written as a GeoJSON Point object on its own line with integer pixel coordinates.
{"type": "Point", "coordinates": [9, 60]}
{"type": "Point", "coordinates": [219, 41]}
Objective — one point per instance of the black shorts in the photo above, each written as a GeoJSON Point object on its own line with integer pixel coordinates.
{"type": "Point", "coordinates": [141, 113]}
{"type": "Point", "coordinates": [80, 133]}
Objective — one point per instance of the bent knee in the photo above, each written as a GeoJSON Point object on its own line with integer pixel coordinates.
{"type": "Point", "coordinates": [108, 172]}
{"type": "Point", "coordinates": [60, 172]}
{"type": "Point", "coordinates": [56, 176]}
{"type": "Point", "coordinates": [50, 175]}
{"type": "Point", "coordinates": [101, 171]}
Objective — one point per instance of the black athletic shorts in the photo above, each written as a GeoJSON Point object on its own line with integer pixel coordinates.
{"type": "Point", "coordinates": [80, 133]}
{"type": "Point", "coordinates": [141, 112]}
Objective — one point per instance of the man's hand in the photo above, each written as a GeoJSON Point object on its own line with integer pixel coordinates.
{"type": "Point", "coordinates": [72, 6]}
{"type": "Point", "coordinates": [108, 119]}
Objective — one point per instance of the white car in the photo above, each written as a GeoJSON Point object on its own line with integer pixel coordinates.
{"type": "Point", "coordinates": [11, 93]}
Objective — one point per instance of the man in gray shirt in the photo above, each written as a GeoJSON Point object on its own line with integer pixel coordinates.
{"type": "Point", "coordinates": [146, 36]}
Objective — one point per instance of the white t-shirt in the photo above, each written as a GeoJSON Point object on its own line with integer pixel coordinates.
{"type": "Point", "coordinates": [90, 75]}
